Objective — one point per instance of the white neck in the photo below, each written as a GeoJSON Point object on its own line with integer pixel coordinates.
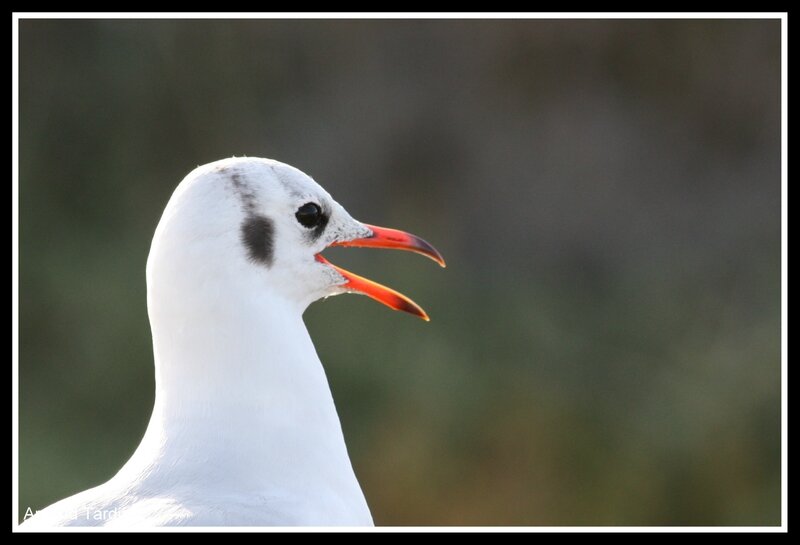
{"type": "Point", "coordinates": [242, 401]}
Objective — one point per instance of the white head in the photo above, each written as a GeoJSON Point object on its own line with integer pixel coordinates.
{"type": "Point", "coordinates": [252, 217]}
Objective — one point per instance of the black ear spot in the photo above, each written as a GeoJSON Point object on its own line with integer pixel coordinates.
{"type": "Point", "coordinates": [258, 235]}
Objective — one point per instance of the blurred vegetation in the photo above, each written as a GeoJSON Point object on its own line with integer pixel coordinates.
{"type": "Point", "coordinates": [604, 347]}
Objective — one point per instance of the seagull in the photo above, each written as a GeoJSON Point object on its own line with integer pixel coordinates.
{"type": "Point", "coordinates": [244, 431]}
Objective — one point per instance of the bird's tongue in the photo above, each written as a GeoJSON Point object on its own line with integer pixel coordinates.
{"type": "Point", "coordinates": [388, 239]}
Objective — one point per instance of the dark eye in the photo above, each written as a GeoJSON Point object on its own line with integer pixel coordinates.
{"type": "Point", "coordinates": [309, 215]}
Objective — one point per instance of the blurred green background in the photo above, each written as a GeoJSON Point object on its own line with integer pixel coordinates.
{"type": "Point", "coordinates": [604, 344]}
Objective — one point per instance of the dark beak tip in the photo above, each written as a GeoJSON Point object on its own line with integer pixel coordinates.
{"type": "Point", "coordinates": [427, 249]}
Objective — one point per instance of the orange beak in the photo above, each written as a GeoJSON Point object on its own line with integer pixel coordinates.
{"type": "Point", "coordinates": [391, 239]}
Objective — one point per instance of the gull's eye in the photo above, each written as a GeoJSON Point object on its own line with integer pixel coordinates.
{"type": "Point", "coordinates": [309, 215]}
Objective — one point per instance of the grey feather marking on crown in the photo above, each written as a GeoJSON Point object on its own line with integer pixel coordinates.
{"type": "Point", "coordinates": [287, 185]}
{"type": "Point", "coordinates": [244, 191]}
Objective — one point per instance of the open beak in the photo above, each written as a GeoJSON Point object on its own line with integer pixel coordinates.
{"type": "Point", "coordinates": [391, 239]}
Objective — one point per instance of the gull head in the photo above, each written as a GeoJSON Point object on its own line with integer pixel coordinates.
{"type": "Point", "coordinates": [260, 226]}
